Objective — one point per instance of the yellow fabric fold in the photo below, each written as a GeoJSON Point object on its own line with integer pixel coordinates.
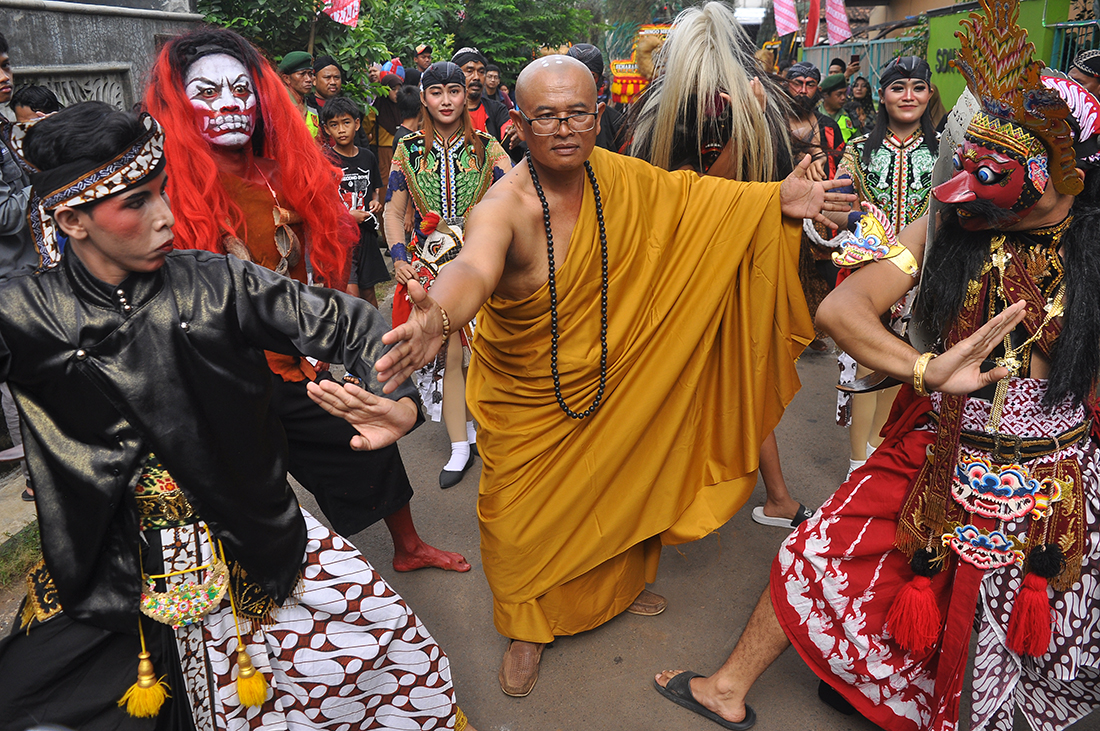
{"type": "Point", "coordinates": [706, 317]}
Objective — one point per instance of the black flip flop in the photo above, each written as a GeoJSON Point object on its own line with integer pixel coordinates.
{"type": "Point", "coordinates": [678, 691]}
{"type": "Point", "coordinates": [802, 515]}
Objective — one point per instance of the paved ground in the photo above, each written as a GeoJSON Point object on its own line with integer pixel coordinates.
{"type": "Point", "coordinates": [604, 679]}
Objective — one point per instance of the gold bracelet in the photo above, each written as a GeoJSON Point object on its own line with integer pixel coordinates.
{"type": "Point", "coordinates": [918, 373]}
{"type": "Point", "coordinates": [446, 324]}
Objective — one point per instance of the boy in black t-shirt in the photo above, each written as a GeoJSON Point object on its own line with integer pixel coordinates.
{"type": "Point", "coordinates": [359, 188]}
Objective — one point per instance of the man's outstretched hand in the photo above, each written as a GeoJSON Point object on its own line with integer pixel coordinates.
{"type": "Point", "coordinates": [379, 421]}
{"type": "Point", "coordinates": [959, 370]}
{"type": "Point", "coordinates": [415, 343]}
{"type": "Point", "coordinates": [801, 197]}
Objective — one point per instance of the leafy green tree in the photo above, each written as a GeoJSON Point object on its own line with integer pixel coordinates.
{"type": "Point", "coordinates": [510, 32]}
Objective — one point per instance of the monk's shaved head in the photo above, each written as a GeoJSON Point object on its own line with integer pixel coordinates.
{"type": "Point", "coordinates": [554, 73]}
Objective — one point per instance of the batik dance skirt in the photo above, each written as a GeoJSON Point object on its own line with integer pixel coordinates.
{"type": "Point", "coordinates": [343, 653]}
{"type": "Point", "coordinates": [836, 577]}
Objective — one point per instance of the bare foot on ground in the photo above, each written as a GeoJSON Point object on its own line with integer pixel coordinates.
{"type": "Point", "coordinates": [705, 691]}
{"type": "Point", "coordinates": [425, 556]}
{"type": "Point", "coordinates": [781, 509]}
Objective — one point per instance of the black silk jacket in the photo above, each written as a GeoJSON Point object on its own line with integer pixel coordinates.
{"type": "Point", "coordinates": [169, 362]}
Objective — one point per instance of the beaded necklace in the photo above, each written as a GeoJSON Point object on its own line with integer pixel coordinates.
{"type": "Point", "coordinates": [554, 294]}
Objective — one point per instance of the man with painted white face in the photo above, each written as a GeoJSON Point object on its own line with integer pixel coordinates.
{"type": "Point", "coordinates": [608, 378]}
{"type": "Point", "coordinates": [182, 587]}
{"type": "Point", "coordinates": [260, 192]}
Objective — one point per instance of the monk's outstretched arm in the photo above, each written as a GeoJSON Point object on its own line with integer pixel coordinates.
{"type": "Point", "coordinates": [461, 288]}
{"type": "Point", "coordinates": [852, 312]}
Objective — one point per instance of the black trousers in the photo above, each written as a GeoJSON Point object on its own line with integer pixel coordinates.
{"type": "Point", "coordinates": [353, 489]}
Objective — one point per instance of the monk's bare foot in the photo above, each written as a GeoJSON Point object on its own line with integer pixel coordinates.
{"type": "Point", "coordinates": [425, 556]}
{"type": "Point", "coordinates": [705, 691]}
{"type": "Point", "coordinates": [781, 508]}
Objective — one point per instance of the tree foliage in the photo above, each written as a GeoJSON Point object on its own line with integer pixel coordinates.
{"type": "Point", "coordinates": [508, 32]}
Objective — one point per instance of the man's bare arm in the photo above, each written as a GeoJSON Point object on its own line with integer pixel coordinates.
{"type": "Point", "coordinates": [461, 288]}
{"type": "Point", "coordinates": [851, 316]}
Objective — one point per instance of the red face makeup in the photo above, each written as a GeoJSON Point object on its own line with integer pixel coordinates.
{"type": "Point", "coordinates": [1006, 180]}
{"type": "Point", "coordinates": [223, 96]}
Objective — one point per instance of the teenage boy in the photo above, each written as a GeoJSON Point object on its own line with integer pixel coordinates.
{"type": "Point", "coordinates": [359, 188]}
{"type": "Point", "coordinates": [31, 102]}
{"type": "Point", "coordinates": [159, 463]}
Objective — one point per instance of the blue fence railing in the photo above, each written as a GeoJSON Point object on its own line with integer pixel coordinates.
{"type": "Point", "coordinates": [1070, 39]}
{"type": "Point", "coordinates": [873, 55]}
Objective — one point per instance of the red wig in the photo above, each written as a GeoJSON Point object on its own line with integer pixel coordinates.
{"type": "Point", "coordinates": [203, 208]}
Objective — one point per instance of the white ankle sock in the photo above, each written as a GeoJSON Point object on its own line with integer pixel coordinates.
{"type": "Point", "coordinates": [870, 449]}
{"type": "Point", "coordinates": [471, 433]}
{"type": "Point", "coordinates": [460, 452]}
{"type": "Point", "coordinates": [853, 465]}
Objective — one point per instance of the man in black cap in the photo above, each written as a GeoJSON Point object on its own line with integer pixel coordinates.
{"type": "Point", "coordinates": [296, 71]}
{"type": "Point", "coordinates": [1086, 71]}
{"type": "Point", "coordinates": [328, 81]}
{"type": "Point", "coordinates": [812, 132]}
{"type": "Point", "coordinates": [488, 115]}
{"type": "Point", "coordinates": [423, 57]}
{"type": "Point", "coordinates": [612, 124]}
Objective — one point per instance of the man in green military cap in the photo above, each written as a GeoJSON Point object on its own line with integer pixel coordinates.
{"type": "Point", "coordinates": [834, 90]}
{"type": "Point", "coordinates": [296, 70]}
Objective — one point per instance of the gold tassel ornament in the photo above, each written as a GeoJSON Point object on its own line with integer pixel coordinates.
{"type": "Point", "coordinates": [145, 697]}
{"type": "Point", "coordinates": [251, 684]}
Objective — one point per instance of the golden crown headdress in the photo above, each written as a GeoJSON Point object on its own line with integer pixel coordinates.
{"type": "Point", "coordinates": [1001, 71]}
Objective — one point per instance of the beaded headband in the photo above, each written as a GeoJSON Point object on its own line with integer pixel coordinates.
{"type": "Point", "coordinates": [85, 181]}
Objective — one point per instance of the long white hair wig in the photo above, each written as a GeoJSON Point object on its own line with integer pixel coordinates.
{"type": "Point", "coordinates": [708, 54]}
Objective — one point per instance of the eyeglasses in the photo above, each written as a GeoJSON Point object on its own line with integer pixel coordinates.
{"type": "Point", "coordinates": [549, 126]}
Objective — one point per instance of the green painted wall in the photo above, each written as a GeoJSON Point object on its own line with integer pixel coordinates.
{"type": "Point", "coordinates": [942, 43]}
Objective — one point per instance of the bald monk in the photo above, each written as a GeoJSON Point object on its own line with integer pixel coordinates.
{"type": "Point", "coordinates": [596, 455]}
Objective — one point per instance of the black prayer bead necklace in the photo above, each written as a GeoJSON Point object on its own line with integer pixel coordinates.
{"type": "Point", "coordinates": [554, 294]}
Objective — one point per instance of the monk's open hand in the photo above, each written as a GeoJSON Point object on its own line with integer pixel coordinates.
{"type": "Point", "coordinates": [415, 343]}
{"type": "Point", "coordinates": [379, 421]}
{"type": "Point", "coordinates": [801, 197]}
{"type": "Point", "coordinates": [959, 370]}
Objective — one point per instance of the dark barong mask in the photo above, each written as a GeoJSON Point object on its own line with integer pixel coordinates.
{"type": "Point", "coordinates": [87, 181]}
{"type": "Point", "coordinates": [1022, 137]}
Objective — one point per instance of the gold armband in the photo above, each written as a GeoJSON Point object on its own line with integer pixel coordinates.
{"type": "Point", "coordinates": [918, 373]}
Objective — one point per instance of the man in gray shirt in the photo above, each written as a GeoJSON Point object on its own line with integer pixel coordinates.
{"type": "Point", "coordinates": [17, 252]}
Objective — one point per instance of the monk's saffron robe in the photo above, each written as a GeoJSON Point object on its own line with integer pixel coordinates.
{"type": "Point", "coordinates": [705, 320]}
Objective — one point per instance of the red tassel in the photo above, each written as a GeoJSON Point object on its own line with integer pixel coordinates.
{"type": "Point", "coordinates": [914, 618]}
{"type": "Point", "coordinates": [1030, 623]}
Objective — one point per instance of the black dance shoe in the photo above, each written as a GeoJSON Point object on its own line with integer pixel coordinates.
{"type": "Point", "coordinates": [450, 478]}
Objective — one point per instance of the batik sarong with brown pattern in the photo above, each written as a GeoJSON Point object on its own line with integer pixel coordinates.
{"type": "Point", "coordinates": [343, 652]}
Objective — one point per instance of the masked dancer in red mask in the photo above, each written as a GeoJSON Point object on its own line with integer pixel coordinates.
{"type": "Point", "coordinates": [982, 506]}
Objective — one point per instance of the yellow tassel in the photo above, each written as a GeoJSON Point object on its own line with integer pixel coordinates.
{"type": "Point", "coordinates": [146, 696]}
{"type": "Point", "coordinates": [251, 684]}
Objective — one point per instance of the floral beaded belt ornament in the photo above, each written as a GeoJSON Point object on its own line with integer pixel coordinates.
{"type": "Point", "coordinates": [189, 602]}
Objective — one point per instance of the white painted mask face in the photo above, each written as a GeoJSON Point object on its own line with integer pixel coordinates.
{"type": "Point", "coordinates": [224, 97]}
